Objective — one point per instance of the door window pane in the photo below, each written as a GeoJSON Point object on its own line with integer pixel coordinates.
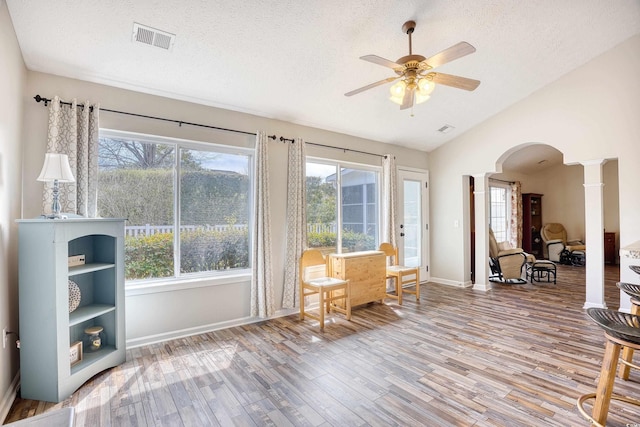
{"type": "Point", "coordinates": [412, 230]}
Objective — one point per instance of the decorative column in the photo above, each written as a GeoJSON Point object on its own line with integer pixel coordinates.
{"type": "Point", "coordinates": [594, 233]}
{"type": "Point", "coordinates": [481, 202]}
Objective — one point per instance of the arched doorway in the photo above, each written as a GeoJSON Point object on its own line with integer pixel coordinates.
{"type": "Point", "coordinates": [582, 196]}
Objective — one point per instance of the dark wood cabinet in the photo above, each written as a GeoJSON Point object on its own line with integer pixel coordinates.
{"type": "Point", "coordinates": [532, 224]}
{"type": "Point", "coordinates": [609, 248]}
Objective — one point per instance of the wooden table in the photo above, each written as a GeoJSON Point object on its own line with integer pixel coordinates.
{"type": "Point", "coordinates": [366, 272]}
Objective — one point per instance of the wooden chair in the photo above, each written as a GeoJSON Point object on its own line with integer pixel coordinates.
{"type": "Point", "coordinates": [314, 280]}
{"type": "Point", "coordinates": [402, 275]}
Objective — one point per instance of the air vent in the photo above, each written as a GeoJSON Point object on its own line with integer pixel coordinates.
{"type": "Point", "coordinates": [152, 37]}
{"type": "Point", "coordinates": [446, 129]}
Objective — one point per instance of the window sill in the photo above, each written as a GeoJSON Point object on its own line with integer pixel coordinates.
{"type": "Point", "coordinates": [171, 285]}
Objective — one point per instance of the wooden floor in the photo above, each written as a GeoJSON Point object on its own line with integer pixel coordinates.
{"type": "Point", "coordinates": [518, 355]}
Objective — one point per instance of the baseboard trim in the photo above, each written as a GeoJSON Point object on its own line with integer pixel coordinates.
{"type": "Point", "coordinates": [182, 333]}
{"type": "Point", "coordinates": [591, 304]}
{"type": "Point", "coordinates": [9, 397]}
{"type": "Point", "coordinates": [449, 282]}
{"type": "Point", "coordinates": [482, 287]}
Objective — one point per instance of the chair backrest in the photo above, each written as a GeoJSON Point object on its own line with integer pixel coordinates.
{"type": "Point", "coordinates": [553, 231]}
{"type": "Point", "coordinates": [493, 245]}
{"type": "Point", "coordinates": [390, 250]}
{"type": "Point", "coordinates": [312, 265]}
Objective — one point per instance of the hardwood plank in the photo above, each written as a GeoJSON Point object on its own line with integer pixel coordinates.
{"type": "Point", "coordinates": [514, 356]}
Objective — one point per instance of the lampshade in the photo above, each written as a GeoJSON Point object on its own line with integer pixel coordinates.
{"type": "Point", "coordinates": [420, 98]}
{"type": "Point", "coordinates": [425, 87]}
{"type": "Point", "coordinates": [56, 167]}
{"type": "Point", "coordinates": [397, 92]}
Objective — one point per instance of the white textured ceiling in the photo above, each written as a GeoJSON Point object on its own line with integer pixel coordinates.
{"type": "Point", "coordinates": [293, 60]}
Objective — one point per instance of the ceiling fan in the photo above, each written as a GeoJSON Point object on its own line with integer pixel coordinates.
{"type": "Point", "coordinates": [416, 80]}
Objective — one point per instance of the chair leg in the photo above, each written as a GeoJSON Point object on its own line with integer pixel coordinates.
{"type": "Point", "coordinates": [321, 308]}
{"type": "Point", "coordinates": [399, 289]}
{"type": "Point", "coordinates": [328, 302]}
{"type": "Point", "coordinates": [347, 302]}
{"type": "Point", "coordinates": [301, 303]}
{"type": "Point", "coordinates": [605, 384]}
{"type": "Point", "coordinates": [624, 369]}
{"type": "Point", "coordinates": [417, 285]}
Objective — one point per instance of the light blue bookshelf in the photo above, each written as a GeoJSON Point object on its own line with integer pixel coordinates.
{"type": "Point", "coordinates": [47, 329]}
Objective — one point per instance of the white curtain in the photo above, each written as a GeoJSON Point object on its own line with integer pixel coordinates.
{"type": "Point", "coordinates": [390, 188]}
{"type": "Point", "coordinates": [296, 221]}
{"type": "Point", "coordinates": [262, 299]}
{"type": "Point", "coordinates": [73, 131]}
{"type": "Point", "coordinates": [515, 226]}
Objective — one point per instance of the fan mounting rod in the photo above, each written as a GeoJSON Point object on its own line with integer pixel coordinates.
{"type": "Point", "coordinates": [408, 28]}
{"type": "Point", "coordinates": [410, 61]}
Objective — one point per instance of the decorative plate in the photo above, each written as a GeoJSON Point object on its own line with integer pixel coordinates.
{"type": "Point", "coordinates": [74, 296]}
{"type": "Point", "coordinates": [620, 325]}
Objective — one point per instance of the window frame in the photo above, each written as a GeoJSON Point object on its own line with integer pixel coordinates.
{"type": "Point", "coordinates": [351, 165]}
{"type": "Point", "coordinates": [203, 278]}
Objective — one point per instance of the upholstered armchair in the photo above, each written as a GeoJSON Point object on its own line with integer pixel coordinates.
{"type": "Point", "coordinates": [505, 262]}
{"type": "Point", "coordinates": [554, 236]}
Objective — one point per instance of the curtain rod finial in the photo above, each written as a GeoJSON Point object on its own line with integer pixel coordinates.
{"type": "Point", "coordinates": [38, 98]}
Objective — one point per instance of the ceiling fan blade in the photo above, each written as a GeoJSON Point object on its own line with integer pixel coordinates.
{"type": "Point", "coordinates": [455, 81]}
{"type": "Point", "coordinates": [372, 85]}
{"type": "Point", "coordinates": [407, 101]}
{"type": "Point", "coordinates": [454, 52]}
{"type": "Point", "coordinates": [381, 61]}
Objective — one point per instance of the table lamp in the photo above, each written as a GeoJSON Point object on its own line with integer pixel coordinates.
{"type": "Point", "coordinates": [56, 168]}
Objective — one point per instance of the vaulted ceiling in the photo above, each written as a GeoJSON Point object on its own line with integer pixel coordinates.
{"type": "Point", "coordinates": [293, 60]}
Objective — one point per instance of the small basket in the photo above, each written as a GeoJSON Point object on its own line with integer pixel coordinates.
{"type": "Point", "coordinates": [635, 268]}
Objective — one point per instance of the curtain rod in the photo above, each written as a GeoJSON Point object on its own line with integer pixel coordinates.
{"type": "Point", "coordinates": [283, 139]}
{"type": "Point", "coordinates": [46, 101]}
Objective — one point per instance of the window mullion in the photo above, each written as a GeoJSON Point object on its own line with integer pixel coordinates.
{"type": "Point", "coordinates": [176, 212]}
{"type": "Point", "coordinates": [339, 208]}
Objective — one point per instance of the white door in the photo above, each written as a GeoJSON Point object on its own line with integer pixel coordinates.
{"type": "Point", "coordinates": [413, 220]}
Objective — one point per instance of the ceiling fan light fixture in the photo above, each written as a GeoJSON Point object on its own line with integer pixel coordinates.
{"type": "Point", "coordinates": [425, 86]}
{"type": "Point", "coordinates": [397, 89]}
{"type": "Point", "coordinates": [396, 99]}
{"type": "Point", "coordinates": [420, 98]}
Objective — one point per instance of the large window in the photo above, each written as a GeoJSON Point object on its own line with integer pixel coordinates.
{"type": "Point", "coordinates": [195, 224]}
{"type": "Point", "coordinates": [343, 206]}
{"type": "Point", "coordinates": [499, 214]}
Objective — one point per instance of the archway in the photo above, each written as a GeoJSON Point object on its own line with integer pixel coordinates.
{"type": "Point", "coordinates": [574, 195]}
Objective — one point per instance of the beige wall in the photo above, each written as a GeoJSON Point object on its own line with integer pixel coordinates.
{"type": "Point", "coordinates": [12, 82]}
{"type": "Point", "coordinates": [202, 305]}
{"type": "Point", "coordinates": [582, 120]}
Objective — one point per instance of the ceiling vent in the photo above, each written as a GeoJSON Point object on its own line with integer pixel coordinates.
{"type": "Point", "coordinates": [446, 129]}
{"type": "Point", "coordinates": [152, 37]}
